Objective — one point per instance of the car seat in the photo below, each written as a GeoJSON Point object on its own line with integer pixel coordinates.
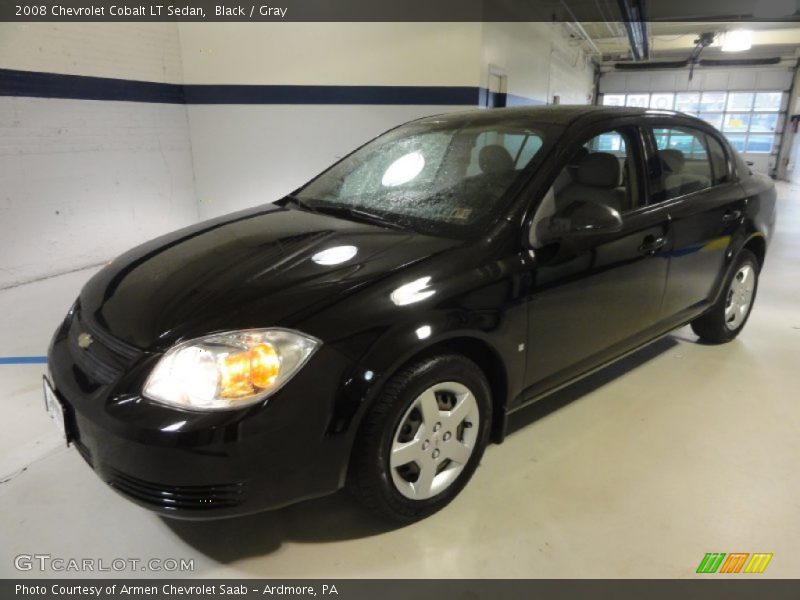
{"type": "Point", "coordinates": [677, 181]}
{"type": "Point", "coordinates": [598, 180]}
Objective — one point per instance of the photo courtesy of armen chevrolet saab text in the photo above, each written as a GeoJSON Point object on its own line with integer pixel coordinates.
{"type": "Point", "coordinates": [374, 329]}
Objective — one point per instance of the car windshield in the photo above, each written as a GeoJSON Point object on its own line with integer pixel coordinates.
{"type": "Point", "coordinates": [432, 176]}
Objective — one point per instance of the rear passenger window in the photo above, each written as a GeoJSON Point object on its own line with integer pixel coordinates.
{"type": "Point", "coordinates": [683, 165]}
{"type": "Point", "coordinates": [719, 160]}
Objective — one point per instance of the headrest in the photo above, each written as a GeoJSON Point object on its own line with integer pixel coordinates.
{"type": "Point", "coordinates": [673, 159]}
{"type": "Point", "coordinates": [599, 169]}
{"type": "Point", "coordinates": [494, 159]}
{"type": "Point", "coordinates": [579, 155]}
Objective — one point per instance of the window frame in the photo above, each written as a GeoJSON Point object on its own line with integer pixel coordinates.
{"type": "Point", "coordinates": [635, 149]}
{"type": "Point", "coordinates": [730, 174]}
{"type": "Point", "coordinates": [701, 131]}
{"type": "Point", "coordinates": [598, 129]}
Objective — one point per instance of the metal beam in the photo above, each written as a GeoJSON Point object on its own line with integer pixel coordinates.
{"type": "Point", "coordinates": [635, 19]}
{"type": "Point", "coordinates": [685, 41]}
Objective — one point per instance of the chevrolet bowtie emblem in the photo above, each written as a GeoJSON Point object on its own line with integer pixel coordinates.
{"type": "Point", "coordinates": [85, 340]}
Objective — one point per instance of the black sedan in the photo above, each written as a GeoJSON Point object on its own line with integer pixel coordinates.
{"type": "Point", "coordinates": [374, 329]}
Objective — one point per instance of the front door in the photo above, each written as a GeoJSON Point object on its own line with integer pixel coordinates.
{"type": "Point", "coordinates": [594, 295]}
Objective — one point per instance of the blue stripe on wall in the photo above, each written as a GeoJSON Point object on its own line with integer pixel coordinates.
{"type": "Point", "coordinates": [23, 360]}
{"type": "Point", "coordinates": [330, 94]}
{"type": "Point", "coordinates": [81, 87]}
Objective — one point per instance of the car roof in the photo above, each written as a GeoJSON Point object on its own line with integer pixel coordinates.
{"type": "Point", "coordinates": [563, 114]}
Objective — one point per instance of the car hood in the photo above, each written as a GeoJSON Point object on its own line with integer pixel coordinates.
{"type": "Point", "coordinates": [262, 267]}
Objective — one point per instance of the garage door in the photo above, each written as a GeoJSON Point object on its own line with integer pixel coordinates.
{"type": "Point", "coordinates": [747, 105]}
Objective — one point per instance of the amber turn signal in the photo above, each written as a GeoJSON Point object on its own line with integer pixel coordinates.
{"type": "Point", "coordinates": [249, 372]}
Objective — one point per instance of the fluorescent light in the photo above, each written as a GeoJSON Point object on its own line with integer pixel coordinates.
{"type": "Point", "coordinates": [737, 41]}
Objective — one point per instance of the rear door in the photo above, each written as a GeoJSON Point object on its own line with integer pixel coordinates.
{"type": "Point", "coordinates": [693, 180]}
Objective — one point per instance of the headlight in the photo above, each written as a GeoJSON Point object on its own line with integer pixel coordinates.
{"type": "Point", "coordinates": [228, 370]}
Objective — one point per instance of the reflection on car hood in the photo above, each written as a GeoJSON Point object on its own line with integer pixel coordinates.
{"type": "Point", "coordinates": [257, 268]}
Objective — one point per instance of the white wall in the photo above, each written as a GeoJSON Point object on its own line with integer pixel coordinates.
{"type": "Point", "coordinates": [331, 53]}
{"type": "Point", "coordinates": [249, 154]}
{"type": "Point", "coordinates": [82, 181]}
{"type": "Point", "coordinates": [141, 51]}
{"type": "Point", "coordinates": [538, 60]}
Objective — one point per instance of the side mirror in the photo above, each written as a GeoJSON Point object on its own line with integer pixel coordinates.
{"type": "Point", "coordinates": [582, 218]}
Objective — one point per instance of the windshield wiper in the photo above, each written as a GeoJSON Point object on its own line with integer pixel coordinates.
{"type": "Point", "coordinates": [301, 203]}
{"type": "Point", "coordinates": [357, 214]}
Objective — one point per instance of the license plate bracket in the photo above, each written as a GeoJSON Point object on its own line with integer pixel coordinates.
{"type": "Point", "coordinates": [55, 409]}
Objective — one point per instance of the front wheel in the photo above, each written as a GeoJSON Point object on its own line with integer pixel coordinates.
{"type": "Point", "coordinates": [422, 439]}
{"type": "Point", "coordinates": [727, 317]}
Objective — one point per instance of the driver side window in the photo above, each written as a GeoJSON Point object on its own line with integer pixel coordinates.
{"type": "Point", "coordinates": [601, 171]}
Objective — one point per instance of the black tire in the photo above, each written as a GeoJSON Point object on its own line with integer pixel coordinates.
{"type": "Point", "coordinates": [370, 479]}
{"type": "Point", "coordinates": [711, 326]}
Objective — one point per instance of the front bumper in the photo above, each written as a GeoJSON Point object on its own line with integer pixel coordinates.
{"type": "Point", "coordinates": [198, 465]}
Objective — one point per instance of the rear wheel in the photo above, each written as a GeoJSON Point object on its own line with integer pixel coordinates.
{"type": "Point", "coordinates": [422, 439]}
{"type": "Point", "coordinates": [727, 317]}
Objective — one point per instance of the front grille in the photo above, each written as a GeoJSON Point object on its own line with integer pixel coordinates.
{"type": "Point", "coordinates": [185, 497]}
{"type": "Point", "coordinates": [106, 357]}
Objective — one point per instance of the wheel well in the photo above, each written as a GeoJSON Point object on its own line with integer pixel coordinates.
{"type": "Point", "coordinates": [757, 246]}
{"type": "Point", "coordinates": [487, 359]}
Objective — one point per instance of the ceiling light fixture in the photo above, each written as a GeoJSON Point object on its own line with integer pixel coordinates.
{"type": "Point", "coordinates": [737, 41]}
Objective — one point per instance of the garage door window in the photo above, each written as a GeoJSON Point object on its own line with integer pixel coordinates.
{"type": "Point", "coordinates": [714, 119]}
{"type": "Point", "coordinates": [687, 102]}
{"type": "Point", "coordinates": [763, 122]}
{"type": "Point", "coordinates": [736, 123]}
{"type": "Point", "coordinates": [759, 143]}
{"type": "Point", "coordinates": [749, 119]}
{"type": "Point", "coordinates": [662, 101]}
{"type": "Point", "coordinates": [737, 141]}
{"type": "Point", "coordinates": [639, 100]}
{"type": "Point", "coordinates": [768, 101]}
{"type": "Point", "coordinates": [740, 101]}
{"type": "Point", "coordinates": [712, 102]}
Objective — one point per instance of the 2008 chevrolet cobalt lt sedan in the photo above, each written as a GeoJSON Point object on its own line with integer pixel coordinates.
{"type": "Point", "coordinates": [374, 329]}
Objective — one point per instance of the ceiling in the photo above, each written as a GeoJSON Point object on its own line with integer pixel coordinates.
{"type": "Point", "coordinates": [676, 40]}
{"type": "Point", "coordinates": [672, 27]}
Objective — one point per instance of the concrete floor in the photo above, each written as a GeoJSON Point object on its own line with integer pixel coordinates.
{"type": "Point", "coordinates": [679, 450]}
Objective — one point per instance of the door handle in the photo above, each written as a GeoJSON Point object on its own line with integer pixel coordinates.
{"type": "Point", "coordinates": [651, 244]}
{"type": "Point", "coordinates": [731, 215]}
